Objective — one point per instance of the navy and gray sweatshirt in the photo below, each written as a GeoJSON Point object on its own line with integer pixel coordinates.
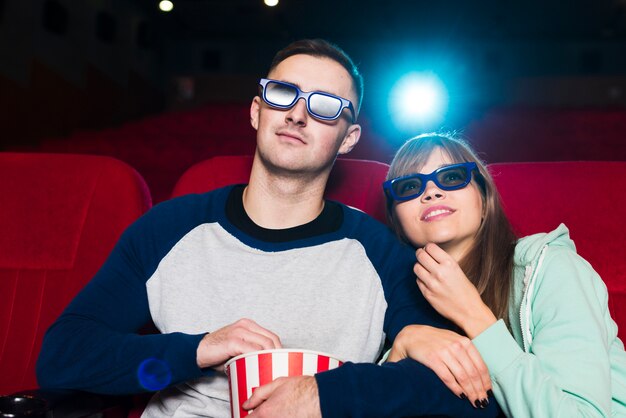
{"type": "Point", "coordinates": [340, 284]}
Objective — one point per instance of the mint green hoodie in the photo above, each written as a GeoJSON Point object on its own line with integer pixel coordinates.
{"type": "Point", "coordinates": [562, 357]}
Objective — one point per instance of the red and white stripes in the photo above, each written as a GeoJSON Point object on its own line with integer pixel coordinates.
{"type": "Point", "coordinates": [249, 371]}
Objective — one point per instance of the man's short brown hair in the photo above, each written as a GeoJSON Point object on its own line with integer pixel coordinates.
{"type": "Point", "coordinates": [325, 49]}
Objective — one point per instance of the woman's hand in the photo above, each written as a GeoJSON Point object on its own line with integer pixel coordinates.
{"type": "Point", "coordinates": [449, 291]}
{"type": "Point", "coordinates": [451, 356]}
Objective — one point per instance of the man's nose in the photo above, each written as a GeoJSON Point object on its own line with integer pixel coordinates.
{"type": "Point", "coordinates": [298, 114]}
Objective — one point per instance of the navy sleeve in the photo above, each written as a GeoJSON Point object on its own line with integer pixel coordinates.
{"type": "Point", "coordinates": [403, 389]}
{"type": "Point", "coordinates": [405, 303]}
{"type": "Point", "coordinates": [95, 344]}
{"type": "Point", "coordinates": [394, 262]}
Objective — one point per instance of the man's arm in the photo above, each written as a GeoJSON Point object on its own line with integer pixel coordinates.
{"type": "Point", "coordinates": [405, 388]}
{"type": "Point", "coordinates": [95, 346]}
{"type": "Point", "coordinates": [364, 390]}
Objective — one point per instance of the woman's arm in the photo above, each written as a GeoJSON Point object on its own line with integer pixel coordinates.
{"type": "Point", "coordinates": [566, 371]}
{"type": "Point", "coordinates": [450, 355]}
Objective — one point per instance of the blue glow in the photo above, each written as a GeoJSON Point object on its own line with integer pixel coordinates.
{"type": "Point", "coordinates": [154, 374]}
{"type": "Point", "coordinates": [418, 100]}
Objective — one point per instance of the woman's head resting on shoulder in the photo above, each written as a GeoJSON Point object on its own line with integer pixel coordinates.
{"type": "Point", "coordinates": [462, 213]}
{"type": "Point", "coordinates": [439, 191]}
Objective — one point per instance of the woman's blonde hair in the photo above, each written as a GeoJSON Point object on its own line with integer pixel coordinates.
{"type": "Point", "coordinates": [489, 261]}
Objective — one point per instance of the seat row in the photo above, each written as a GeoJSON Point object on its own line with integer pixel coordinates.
{"type": "Point", "coordinates": [62, 214]}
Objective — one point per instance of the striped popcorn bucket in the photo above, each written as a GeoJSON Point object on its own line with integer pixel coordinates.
{"type": "Point", "coordinates": [251, 370]}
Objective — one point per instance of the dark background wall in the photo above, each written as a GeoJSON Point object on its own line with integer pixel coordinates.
{"type": "Point", "coordinates": [68, 65]}
{"type": "Point", "coordinates": [533, 80]}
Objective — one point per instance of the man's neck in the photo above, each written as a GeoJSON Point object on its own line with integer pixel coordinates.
{"type": "Point", "coordinates": [279, 202]}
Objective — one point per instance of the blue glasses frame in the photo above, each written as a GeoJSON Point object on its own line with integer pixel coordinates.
{"type": "Point", "coordinates": [345, 103]}
{"type": "Point", "coordinates": [393, 187]}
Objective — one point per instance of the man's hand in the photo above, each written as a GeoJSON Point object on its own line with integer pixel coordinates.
{"type": "Point", "coordinates": [296, 397]}
{"type": "Point", "coordinates": [237, 338]}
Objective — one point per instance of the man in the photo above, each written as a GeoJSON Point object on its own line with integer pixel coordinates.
{"type": "Point", "coordinates": [258, 266]}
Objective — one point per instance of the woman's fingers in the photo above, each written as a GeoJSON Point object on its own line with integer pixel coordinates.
{"type": "Point", "coordinates": [463, 365]}
{"type": "Point", "coordinates": [426, 260]}
{"type": "Point", "coordinates": [462, 368]}
{"type": "Point", "coordinates": [447, 377]}
{"type": "Point", "coordinates": [481, 367]}
{"type": "Point", "coordinates": [423, 275]}
{"type": "Point", "coordinates": [453, 357]}
{"type": "Point", "coordinates": [437, 253]}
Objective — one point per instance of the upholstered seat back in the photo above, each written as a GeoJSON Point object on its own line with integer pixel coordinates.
{"type": "Point", "coordinates": [589, 198]}
{"type": "Point", "coordinates": [60, 217]}
{"type": "Point", "coordinates": [356, 183]}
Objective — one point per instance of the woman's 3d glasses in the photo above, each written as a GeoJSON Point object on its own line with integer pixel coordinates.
{"type": "Point", "coordinates": [320, 105]}
{"type": "Point", "coordinates": [449, 177]}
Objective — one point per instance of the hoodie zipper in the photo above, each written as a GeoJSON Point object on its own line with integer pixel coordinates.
{"type": "Point", "coordinates": [527, 274]}
{"type": "Point", "coordinates": [530, 276]}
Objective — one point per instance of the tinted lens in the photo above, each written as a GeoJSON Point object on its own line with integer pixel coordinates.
{"type": "Point", "coordinates": [324, 106]}
{"type": "Point", "coordinates": [407, 187]}
{"type": "Point", "coordinates": [453, 177]}
{"type": "Point", "coordinates": [280, 94]}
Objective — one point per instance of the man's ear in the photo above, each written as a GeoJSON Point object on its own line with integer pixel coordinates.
{"type": "Point", "coordinates": [255, 106]}
{"type": "Point", "coordinates": [350, 140]}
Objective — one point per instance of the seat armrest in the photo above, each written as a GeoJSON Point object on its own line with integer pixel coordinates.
{"type": "Point", "coordinates": [73, 404]}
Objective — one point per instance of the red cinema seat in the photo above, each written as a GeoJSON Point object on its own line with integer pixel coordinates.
{"type": "Point", "coordinates": [60, 217]}
{"type": "Point", "coordinates": [357, 183]}
{"type": "Point", "coordinates": [588, 197]}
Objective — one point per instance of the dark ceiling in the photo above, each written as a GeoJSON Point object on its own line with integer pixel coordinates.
{"type": "Point", "coordinates": [485, 52]}
{"type": "Point", "coordinates": [571, 20]}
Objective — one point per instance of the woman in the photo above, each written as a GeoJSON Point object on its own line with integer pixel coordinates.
{"type": "Point", "coordinates": [536, 311]}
